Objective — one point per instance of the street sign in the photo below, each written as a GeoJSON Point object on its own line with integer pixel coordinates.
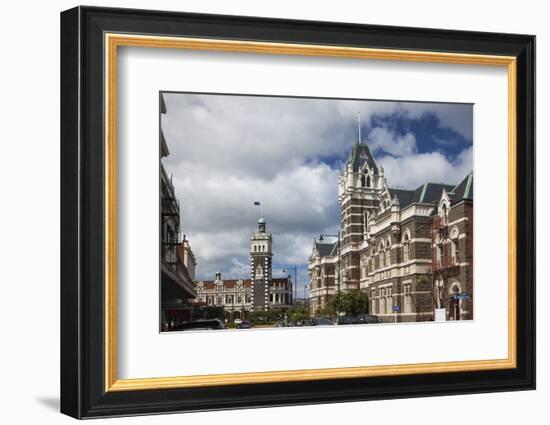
{"type": "Point", "coordinates": [396, 308]}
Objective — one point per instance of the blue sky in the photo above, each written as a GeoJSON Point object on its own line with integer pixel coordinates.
{"type": "Point", "coordinates": [228, 151]}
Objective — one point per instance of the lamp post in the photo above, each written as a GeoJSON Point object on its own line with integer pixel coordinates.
{"type": "Point", "coordinates": [321, 238]}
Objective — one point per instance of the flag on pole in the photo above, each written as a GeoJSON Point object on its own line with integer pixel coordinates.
{"type": "Point", "coordinates": [258, 204]}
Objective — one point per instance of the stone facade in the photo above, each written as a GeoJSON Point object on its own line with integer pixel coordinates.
{"type": "Point", "coordinates": [236, 295]}
{"type": "Point", "coordinates": [389, 245]}
{"type": "Point", "coordinates": [258, 293]}
{"type": "Point", "coordinates": [177, 262]}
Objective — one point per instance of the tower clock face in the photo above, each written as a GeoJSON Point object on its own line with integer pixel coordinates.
{"type": "Point", "coordinates": [259, 271]}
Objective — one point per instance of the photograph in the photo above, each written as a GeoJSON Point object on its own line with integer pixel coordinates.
{"type": "Point", "coordinates": [271, 211]}
{"type": "Point", "coordinates": [281, 212]}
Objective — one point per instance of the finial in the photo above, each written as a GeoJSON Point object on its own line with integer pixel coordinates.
{"type": "Point", "coordinates": [395, 201]}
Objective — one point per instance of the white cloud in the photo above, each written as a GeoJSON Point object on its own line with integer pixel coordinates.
{"type": "Point", "coordinates": [382, 138]}
{"type": "Point", "coordinates": [410, 171]}
{"type": "Point", "coordinates": [228, 151]}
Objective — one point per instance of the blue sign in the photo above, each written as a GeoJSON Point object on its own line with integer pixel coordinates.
{"type": "Point", "coordinates": [396, 308]}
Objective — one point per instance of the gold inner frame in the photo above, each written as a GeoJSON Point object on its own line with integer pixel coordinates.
{"type": "Point", "coordinates": [113, 41]}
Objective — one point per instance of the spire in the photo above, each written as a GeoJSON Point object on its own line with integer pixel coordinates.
{"type": "Point", "coordinates": [359, 125]}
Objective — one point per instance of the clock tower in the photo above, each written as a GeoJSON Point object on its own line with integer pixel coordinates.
{"type": "Point", "coordinates": [260, 265]}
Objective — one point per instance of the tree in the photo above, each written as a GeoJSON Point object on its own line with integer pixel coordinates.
{"type": "Point", "coordinates": [422, 302]}
{"type": "Point", "coordinates": [298, 313]}
{"type": "Point", "coordinates": [212, 312]}
{"type": "Point", "coordinates": [351, 303]}
{"type": "Point", "coordinates": [327, 311]}
{"type": "Point", "coordinates": [265, 316]}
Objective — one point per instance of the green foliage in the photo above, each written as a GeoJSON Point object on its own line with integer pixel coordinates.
{"type": "Point", "coordinates": [424, 283]}
{"type": "Point", "coordinates": [350, 303]}
{"type": "Point", "coordinates": [328, 310]}
{"type": "Point", "coordinates": [212, 312]}
{"type": "Point", "coordinates": [298, 313]}
{"type": "Point", "coordinates": [269, 316]}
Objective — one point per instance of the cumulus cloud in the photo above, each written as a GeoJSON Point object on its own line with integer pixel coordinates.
{"type": "Point", "coordinates": [410, 171]}
{"type": "Point", "coordinates": [384, 139]}
{"type": "Point", "coordinates": [228, 151]}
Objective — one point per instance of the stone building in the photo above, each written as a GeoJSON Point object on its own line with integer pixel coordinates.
{"type": "Point", "coordinates": [177, 262]}
{"type": "Point", "coordinates": [260, 292]}
{"type": "Point", "coordinates": [410, 250]}
{"type": "Point", "coordinates": [235, 295]}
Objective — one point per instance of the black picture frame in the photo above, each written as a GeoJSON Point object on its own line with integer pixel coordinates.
{"type": "Point", "coordinates": [83, 392]}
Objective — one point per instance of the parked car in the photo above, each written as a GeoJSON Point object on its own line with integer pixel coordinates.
{"type": "Point", "coordinates": [201, 325]}
{"type": "Point", "coordinates": [346, 320]}
{"type": "Point", "coordinates": [368, 318]}
{"type": "Point", "coordinates": [237, 321]}
{"type": "Point", "coordinates": [245, 324]}
{"type": "Point", "coordinates": [322, 321]}
{"type": "Point", "coordinates": [360, 319]}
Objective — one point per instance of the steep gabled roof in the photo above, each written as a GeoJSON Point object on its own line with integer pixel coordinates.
{"type": "Point", "coordinates": [465, 189]}
{"type": "Point", "coordinates": [433, 192]}
{"type": "Point", "coordinates": [360, 154]}
{"type": "Point", "coordinates": [326, 249]}
{"type": "Point", "coordinates": [427, 193]}
{"type": "Point", "coordinates": [405, 197]}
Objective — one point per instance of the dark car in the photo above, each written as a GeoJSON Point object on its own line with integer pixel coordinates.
{"type": "Point", "coordinates": [346, 320]}
{"type": "Point", "coordinates": [245, 324]}
{"type": "Point", "coordinates": [367, 319]}
{"type": "Point", "coordinates": [360, 319]}
{"type": "Point", "coordinates": [200, 325]}
{"type": "Point", "coordinates": [322, 321]}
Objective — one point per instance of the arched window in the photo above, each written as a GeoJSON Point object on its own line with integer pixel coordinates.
{"type": "Point", "coordinates": [439, 249]}
{"type": "Point", "coordinates": [363, 181]}
{"type": "Point", "coordinates": [454, 245]}
{"type": "Point", "coordinates": [406, 242]}
{"type": "Point", "coordinates": [368, 181]}
{"type": "Point", "coordinates": [255, 248]}
{"type": "Point", "coordinates": [388, 253]}
{"type": "Point", "coordinates": [454, 250]}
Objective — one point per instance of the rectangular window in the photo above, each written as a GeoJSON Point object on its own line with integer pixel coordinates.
{"type": "Point", "coordinates": [407, 301]}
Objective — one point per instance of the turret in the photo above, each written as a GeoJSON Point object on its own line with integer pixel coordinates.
{"type": "Point", "coordinates": [395, 214]}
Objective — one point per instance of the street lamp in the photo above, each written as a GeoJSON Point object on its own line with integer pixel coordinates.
{"type": "Point", "coordinates": [321, 238]}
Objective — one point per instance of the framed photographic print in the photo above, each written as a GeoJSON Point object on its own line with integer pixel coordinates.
{"type": "Point", "coordinates": [261, 212]}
